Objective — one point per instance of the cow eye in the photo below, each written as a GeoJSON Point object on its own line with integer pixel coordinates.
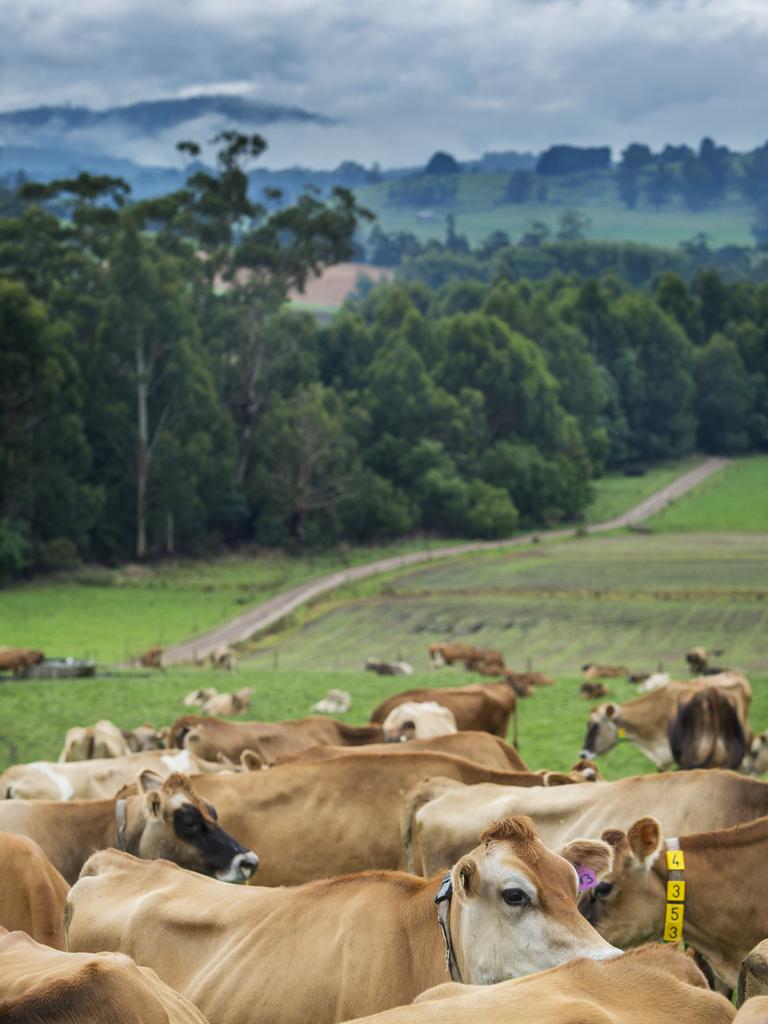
{"type": "Point", "coordinates": [603, 889]}
{"type": "Point", "coordinates": [515, 897]}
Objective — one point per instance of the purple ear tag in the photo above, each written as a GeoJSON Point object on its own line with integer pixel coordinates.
{"type": "Point", "coordinates": [587, 878]}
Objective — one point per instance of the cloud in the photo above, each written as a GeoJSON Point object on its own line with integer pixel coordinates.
{"type": "Point", "coordinates": [404, 79]}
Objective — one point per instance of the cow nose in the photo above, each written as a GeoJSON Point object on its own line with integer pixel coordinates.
{"type": "Point", "coordinates": [587, 755]}
{"type": "Point", "coordinates": [246, 863]}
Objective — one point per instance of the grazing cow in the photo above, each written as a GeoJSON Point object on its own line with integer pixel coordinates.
{"type": "Point", "coordinates": [449, 653]}
{"type": "Point", "coordinates": [753, 974]}
{"type": "Point", "coordinates": [440, 818]}
{"type": "Point", "coordinates": [725, 912]}
{"type": "Point", "coordinates": [651, 985]}
{"type": "Point", "coordinates": [32, 894]}
{"type": "Point", "coordinates": [209, 737]}
{"type": "Point", "coordinates": [94, 741]}
{"type": "Point", "coordinates": [645, 721]}
{"type": "Point", "coordinates": [39, 985]}
{"type": "Point", "coordinates": [19, 659]}
{"type": "Point", "coordinates": [388, 668]}
{"type": "Point", "coordinates": [418, 720]}
{"type": "Point", "coordinates": [364, 942]}
{"type": "Point", "coordinates": [153, 657]}
{"type": "Point", "coordinates": [593, 690]}
{"type": "Point", "coordinates": [591, 671]}
{"type": "Point", "coordinates": [224, 658]}
{"type": "Point", "coordinates": [228, 703]}
{"type": "Point", "coordinates": [347, 809]}
{"type": "Point", "coordinates": [485, 706]}
{"type": "Point", "coordinates": [480, 747]}
{"type": "Point", "coordinates": [707, 733]}
{"type": "Point", "coordinates": [95, 780]}
{"type": "Point", "coordinates": [165, 818]}
{"type": "Point", "coordinates": [335, 702]}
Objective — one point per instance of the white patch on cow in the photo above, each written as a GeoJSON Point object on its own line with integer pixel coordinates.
{"type": "Point", "coordinates": [64, 786]}
{"type": "Point", "coordinates": [180, 762]}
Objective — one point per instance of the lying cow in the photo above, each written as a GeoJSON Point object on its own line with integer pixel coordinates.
{"type": "Point", "coordinates": [645, 721]}
{"type": "Point", "coordinates": [706, 732]}
{"type": "Point", "coordinates": [209, 737]}
{"type": "Point", "coordinates": [593, 691]}
{"type": "Point", "coordinates": [591, 671]}
{"type": "Point", "coordinates": [228, 703]}
{"type": "Point", "coordinates": [641, 986]}
{"type": "Point", "coordinates": [224, 658]}
{"type": "Point", "coordinates": [103, 739]}
{"type": "Point", "coordinates": [510, 910]}
{"type": "Point", "coordinates": [19, 659]}
{"type": "Point", "coordinates": [196, 698]}
{"type": "Point", "coordinates": [335, 702]}
{"type": "Point", "coordinates": [95, 780]}
{"type": "Point", "coordinates": [725, 911]}
{"type": "Point", "coordinates": [166, 818]}
{"type": "Point", "coordinates": [39, 984]}
{"type": "Point", "coordinates": [418, 720]}
{"type": "Point", "coordinates": [485, 706]}
{"type": "Point", "coordinates": [388, 668]}
{"type": "Point", "coordinates": [32, 894]}
{"type": "Point", "coordinates": [450, 653]}
{"type": "Point", "coordinates": [347, 809]}
{"type": "Point", "coordinates": [440, 818]}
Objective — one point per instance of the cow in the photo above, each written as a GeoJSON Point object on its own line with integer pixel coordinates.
{"type": "Point", "coordinates": [224, 658]}
{"type": "Point", "coordinates": [152, 657]}
{"type": "Point", "coordinates": [143, 738]}
{"type": "Point", "coordinates": [480, 747]}
{"type": "Point", "coordinates": [196, 698]}
{"type": "Point", "coordinates": [485, 666]}
{"type": "Point", "coordinates": [39, 985]}
{"type": "Point", "coordinates": [592, 691]}
{"type": "Point", "coordinates": [530, 678]}
{"type": "Point", "coordinates": [19, 659]}
{"type": "Point", "coordinates": [753, 974]}
{"type": "Point", "coordinates": [441, 818]}
{"type": "Point", "coordinates": [95, 780]}
{"type": "Point", "coordinates": [756, 757]}
{"type": "Point", "coordinates": [591, 671]}
{"type": "Point", "coordinates": [697, 659]}
{"type": "Point", "coordinates": [209, 737]}
{"type": "Point", "coordinates": [347, 809]}
{"type": "Point", "coordinates": [165, 818]}
{"type": "Point", "coordinates": [450, 653]}
{"type": "Point", "coordinates": [103, 739]}
{"type": "Point", "coordinates": [485, 706]}
{"type": "Point", "coordinates": [645, 721]}
{"type": "Point", "coordinates": [754, 1011]}
{"type": "Point", "coordinates": [364, 942]}
{"type": "Point", "coordinates": [650, 985]}
{"type": "Point", "coordinates": [418, 720]}
{"type": "Point", "coordinates": [707, 732]}
{"type": "Point", "coordinates": [388, 668]}
{"type": "Point", "coordinates": [725, 913]}
{"type": "Point", "coordinates": [33, 892]}
{"type": "Point", "coordinates": [335, 702]}
{"type": "Point", "coordinates": [228, 703]}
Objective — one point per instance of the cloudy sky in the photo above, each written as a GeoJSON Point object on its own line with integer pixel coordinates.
{"type": "Point", "coordinates": [406, 77]}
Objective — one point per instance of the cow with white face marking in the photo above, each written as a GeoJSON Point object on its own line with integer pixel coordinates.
{"type": "Point", "coordinates": [164, 819]}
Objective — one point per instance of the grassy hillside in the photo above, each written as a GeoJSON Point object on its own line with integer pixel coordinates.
{"type": "Point", "coordinates": [616, 493]}
{"type": "Point", "coordinates": [734, 499]}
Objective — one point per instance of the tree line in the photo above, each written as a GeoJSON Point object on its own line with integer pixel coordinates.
{"type": "Point", "coordinates": [157, 395]}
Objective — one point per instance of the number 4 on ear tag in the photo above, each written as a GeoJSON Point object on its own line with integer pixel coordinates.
{"type": "Point", "coordinates": [675, 860]}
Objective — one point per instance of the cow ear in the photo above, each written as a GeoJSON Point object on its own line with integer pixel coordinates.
{"type": "Point", "coordinates": [593, 854]}
{"type": "Point", "coordinates": [645, 840]}
{"type": "Point", "coordinates": [610, 710]}
{"type": "Point", "coordinates": [466, 872]}
{"type": "Point", "coordinates": [251, 762]}
{"type": "Point", "coordinates": [149, 780]}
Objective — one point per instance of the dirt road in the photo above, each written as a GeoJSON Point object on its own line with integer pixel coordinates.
{"type": "Point", "coordinates": [263, 615]}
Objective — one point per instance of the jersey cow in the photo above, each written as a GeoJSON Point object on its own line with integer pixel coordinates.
{"type": "Point", "coordinates": [39, 985]}
{"type": "Point", "coordinates": [485, 706]}
{"type": "Point", "coordinates": [33, 892]}
{"type": "Point", "coordinates": [84, 743]}
{"type": "Point", "coordinates": [418, 720]}
{"type": "Point", "coordinates": [652, 985]}
{"type": "Point", "coordinates": [165, 819]}
{"type": "Point", "coordinates": [725, 913]}
{"type": "Point", "coordinates": [364, 942]}
{"type": "Point", "coordinates": [645, 722]}
{"type": "Point", "coordinates": [19, 659]}
{"type": "Point", "coordinates": [442, 817]}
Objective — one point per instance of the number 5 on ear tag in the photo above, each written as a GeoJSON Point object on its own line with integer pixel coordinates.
{"type": "Point", "coordinates": [673, 922]}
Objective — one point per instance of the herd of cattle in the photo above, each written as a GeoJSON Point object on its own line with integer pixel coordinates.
{"type": "Point", "coordinates": [413, 869]}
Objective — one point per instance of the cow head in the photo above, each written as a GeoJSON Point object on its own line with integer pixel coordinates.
{"type": "Point", "coordinates": [166, 819]}
{"type": "Point", "coordinates": [756, 758]}
{"type": "Point", "coordinates": [513, 909]}
{"type": "Point", "coordinates": [627, 906]}
{"type": "Point", "coordinates": [602, 731]}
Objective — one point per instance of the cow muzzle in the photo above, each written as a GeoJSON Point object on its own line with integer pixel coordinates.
{"type": "Point", "coordinates": [242, 867]}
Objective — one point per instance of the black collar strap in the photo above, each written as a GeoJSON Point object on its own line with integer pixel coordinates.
{"type": "Point", "coordinates": [120, 822]}
{"type": "Point", "coordinates": [443, 901]}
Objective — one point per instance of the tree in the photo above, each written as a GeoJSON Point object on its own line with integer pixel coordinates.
{"type": "Point", "coordinates": [573, 226]}
{"type": "Point", "coordinates": [723, 398]}
{"type": "Point", "coordinates": [633, 160]}
{"type": "Point", "coordinates": [519, 187]}
{"type": "Point", "coordinates": [442, 163]}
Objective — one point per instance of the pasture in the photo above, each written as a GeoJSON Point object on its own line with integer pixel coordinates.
{"type": "Point", "coordinates": [734, 499]}
{"type": "Point", "coordinates": [616, 493]}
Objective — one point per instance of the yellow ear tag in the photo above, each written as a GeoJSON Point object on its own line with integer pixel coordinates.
{"type": "Point", "coordinates": [675, 860]}
{"type": "Point", "coordinates": [621, 733]}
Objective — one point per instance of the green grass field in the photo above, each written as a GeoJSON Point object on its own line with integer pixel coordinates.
{"type": "Point", "coordinates": [616, 493]}
{"type": "Point", "coordinates": [734, 499]}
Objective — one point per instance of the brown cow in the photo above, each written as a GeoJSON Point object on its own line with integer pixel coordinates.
{"type": "Point", "coordinates": [485, 706]}
{"type": "Point", "coordinates": [592, 690]}
{"type": "Point", "coordinates": [144, 737]}
{"type": "Point", "coordinates": [165, 819]}
{"type": "Point", "coordinates": [153, 657]}
{"type": "Point", "coordinates": [591, 671]}
{"type": "Point", "coordinates": [651, 985]}
{"type": "Point", "coordinates": [39, 985]}
{"type": "Point", "coordinates": [19, 659]}
{"type": "Point", "coordinates": [346, 809]}
{"type": "Point", "coordinates": [753, 974]}
{"type": "Point", "coordinates": [84, 743]}
{"type": "Point", "coordinates": [725, 877]}
{"type": "Point", "coordinates": [32, 893]}
{"type": "Point", "coordinates": [362, 943]}
{"type": "Point", "coordinates": [707, 732]}
{"type": "Point", "coordinates": [209, 737]}
{"type": "Point", "coordinates": [449, 653]}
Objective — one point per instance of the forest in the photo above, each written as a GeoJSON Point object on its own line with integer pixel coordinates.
{"type": "Point", "coordinates": [158, 395]}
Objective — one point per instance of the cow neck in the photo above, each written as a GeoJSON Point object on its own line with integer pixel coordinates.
{"type": "Point", "coordinates": [82, 828]}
